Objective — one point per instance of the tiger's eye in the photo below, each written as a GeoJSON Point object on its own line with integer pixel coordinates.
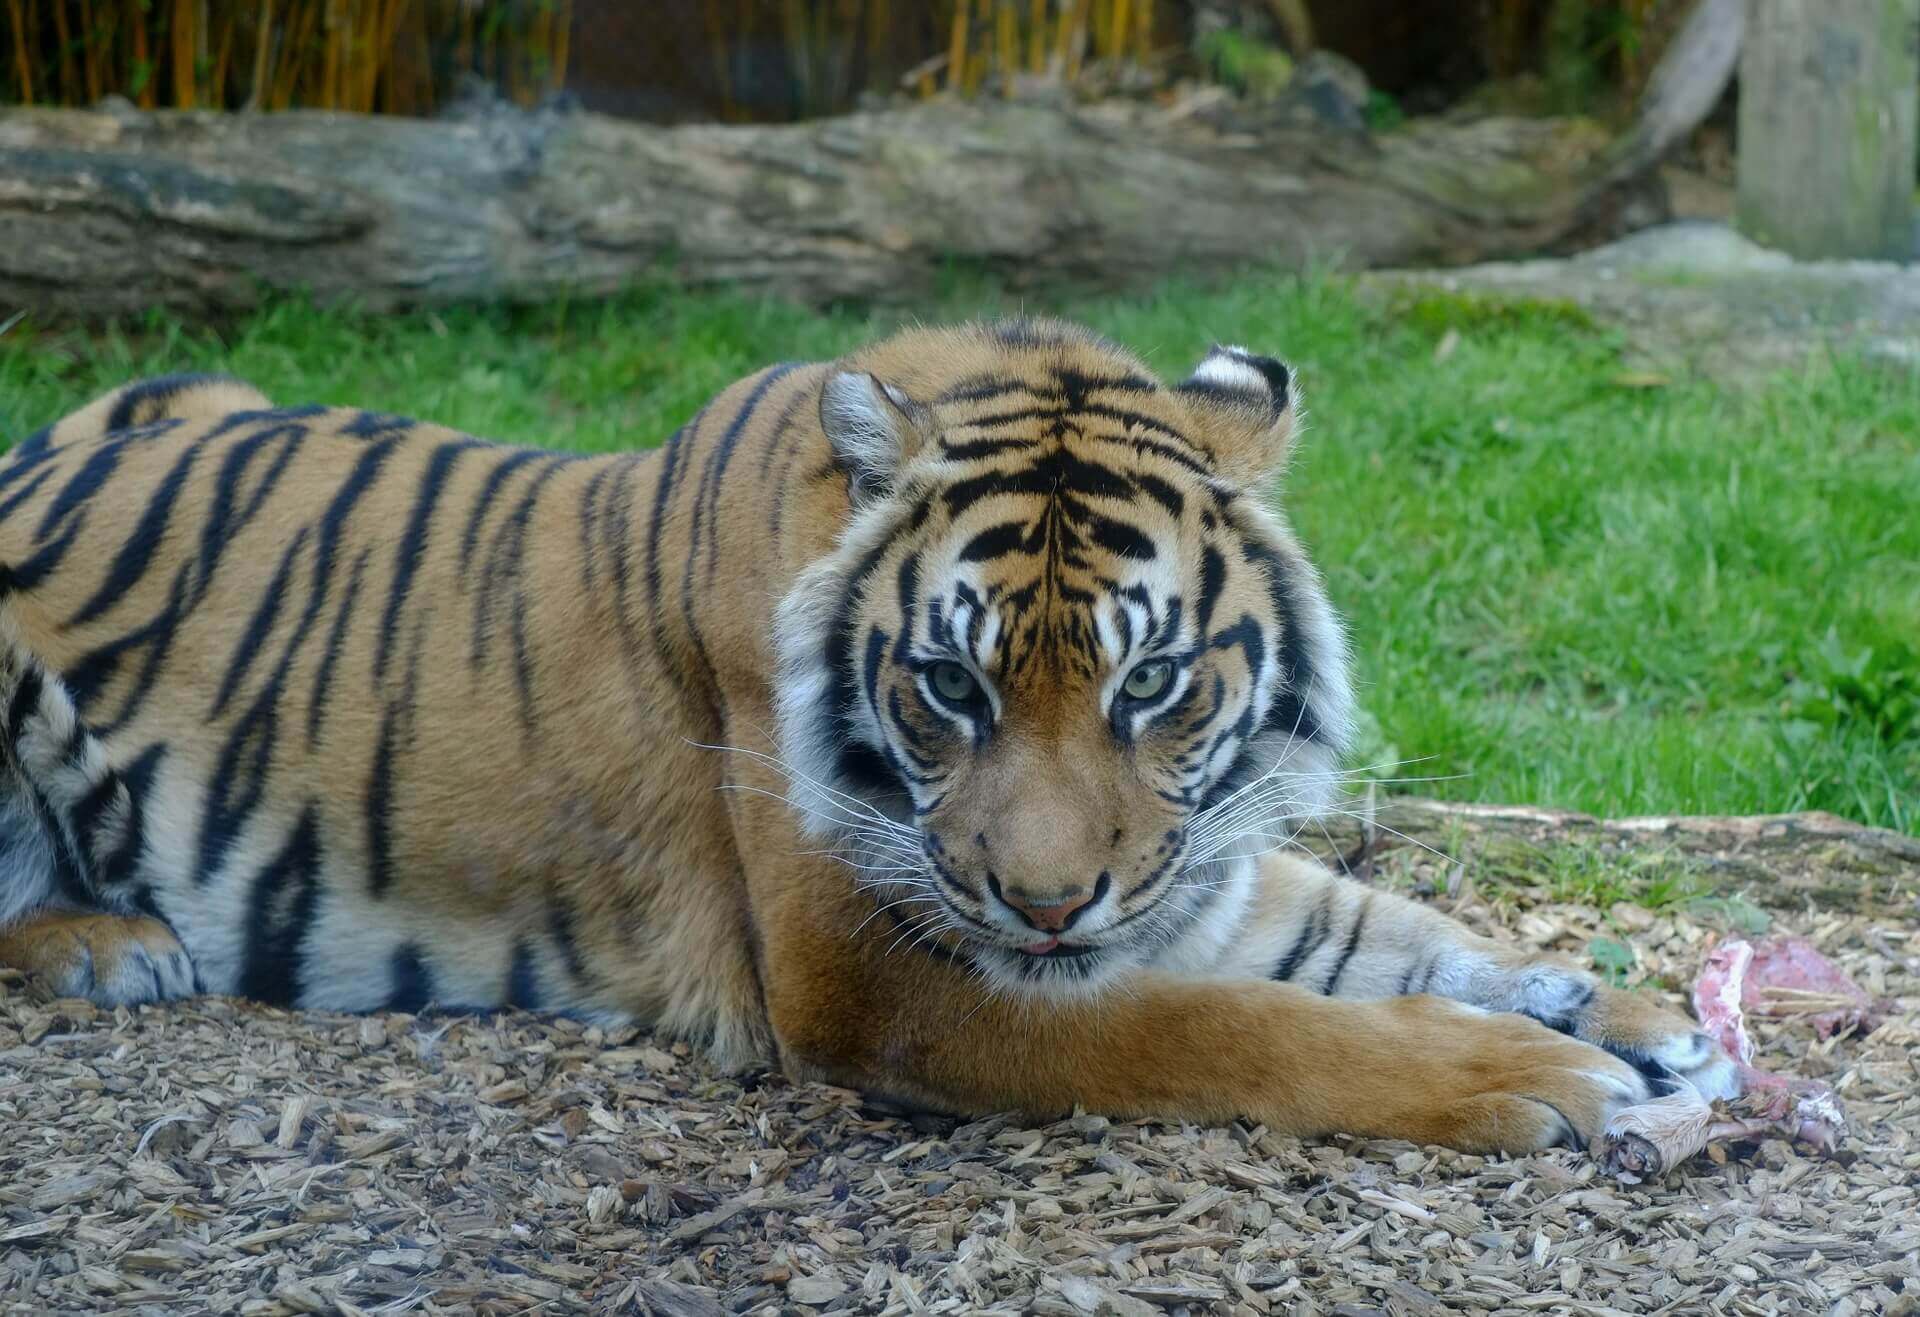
{"type": "Point", "coordinates": [1148, 680]}
{"type": "Point", "coordinates": [952, 682]}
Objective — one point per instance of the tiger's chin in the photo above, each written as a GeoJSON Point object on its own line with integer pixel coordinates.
{"type": "Point", "coordinates": [1065, 971]}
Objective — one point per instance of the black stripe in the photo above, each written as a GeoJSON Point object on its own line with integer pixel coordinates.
{"type": "Point", "coordinates": [512, 461]}
{"type": "Point", "coordinates": [413, 545]}
{"type": "Point", "coordinates": [239, 781]}
{"type": "Point", "coordinates": [1290, 713]}
{"type": "Point", "coordinates": [158, 391]}
{"type": "Point", "coordinates": [320, 700]}
{"type": "Point", "coordinates": [712, 479]}
{"type": "Point", "coordinates": [280, 909]}
{"type": "Point", "coordinates": [782, 427]}
{"type": "Point", "coordinates": [259, 626]}
{"type": "Point", "coordinates": [85, 816]}
{"type": "Point", "coordinates": [135, 556]}
{"type": "Point", "coordinates": [1406, 979]}
{"type": "Point", "coordinates": [22, 494]}
{"type": "Point", "coordinates": [91, 672]}
{"type": "Point", "coordinates": [706, 509]}
{"type": "Point", "coordinates": [523, 983]}
{"type": "Point", "coordinates": [1352, 945]}
{"type": "Point", "coordinates": [1213, 580]}
{"type": "Point", "coordinates": [119, 869]}
{"type": "Point", "coordinates": [396, 735]}
{"type": "Point", "coordinates": [994, 541]}
{"type": "Point", "coordinates": [674, 453]}
{"type": "Point", "coordinates": [502, 579]}
{"type": "Point", "coordinates": [1309, 940]}
{"type": "Point", "coordinates": [1119, 538]}
{"type": "Point", "coordinates": [1160, 492]}
{"type": "Point", "coordinates": [26, 700]}
{"type": "Point", "coordinates": [412, 983]}
{"type": "Point", "coordinates": [560, 927]}
{"type": "Point", "coordinates": [589, 510]}
{"type": "Point", "coordinates": [224, 522]}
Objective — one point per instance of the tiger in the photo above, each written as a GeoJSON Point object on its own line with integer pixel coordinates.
{"type": "Point", "coordinates": [934, 722]}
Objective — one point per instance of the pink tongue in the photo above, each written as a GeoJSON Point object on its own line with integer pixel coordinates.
{"type": "Point", "coordinates": [1041, 948]}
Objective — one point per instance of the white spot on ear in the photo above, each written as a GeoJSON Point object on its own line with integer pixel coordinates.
{"type": "Point", "coordinates": [864, 420]}
{"type": "Point", "coordinates": [1232, 368]}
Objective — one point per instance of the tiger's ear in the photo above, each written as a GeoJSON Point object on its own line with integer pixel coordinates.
{"type": "Point", "coordinates": [874, 427]}
{"type": "Point", "coordinates": [1247, 407]}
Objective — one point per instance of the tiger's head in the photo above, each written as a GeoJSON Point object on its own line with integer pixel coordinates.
{"type": "Point", "coordinates": [1063, 674]}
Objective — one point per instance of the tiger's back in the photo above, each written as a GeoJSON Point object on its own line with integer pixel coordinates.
{"type": "Point", "coordinates": [356, 680]}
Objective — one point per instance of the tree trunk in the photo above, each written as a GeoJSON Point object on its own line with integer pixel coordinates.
{"type": "Point", "coordinates": [1828, 94]}
{"type": "Point", "coordinates": [107, 213]}
{"type": "Point", "coordinates": [113, 211]}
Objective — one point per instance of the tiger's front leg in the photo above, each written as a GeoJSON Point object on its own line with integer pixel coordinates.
{"type": "Point", "coordinates": [1311, 927]}
{"type": "Point", "coordinates": [857, 996]}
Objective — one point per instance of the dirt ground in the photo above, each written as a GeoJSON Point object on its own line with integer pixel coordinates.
{"type": "Point", "coordinates": [216, 1156]}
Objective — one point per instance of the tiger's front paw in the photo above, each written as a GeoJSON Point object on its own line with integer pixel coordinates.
{"type": "Point", "coordinates": [1484, 1082]}
{"type": "Point", "coordinates": [112, 960]}
{"type": "Point", "coordinates": [1662, 1044]}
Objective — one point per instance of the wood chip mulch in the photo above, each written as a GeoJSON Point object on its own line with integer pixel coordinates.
{"type": "Point", "coordinates": [221, 1157]}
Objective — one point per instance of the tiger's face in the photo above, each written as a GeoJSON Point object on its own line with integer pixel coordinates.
{"type": "Point", "coordinates": [1063, 675]}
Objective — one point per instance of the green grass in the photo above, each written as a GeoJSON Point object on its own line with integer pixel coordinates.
{"type": "Point", "coordinates": [1562, 589]}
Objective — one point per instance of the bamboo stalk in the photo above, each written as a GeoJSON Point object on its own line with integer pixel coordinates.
{"type": "Point", "coordinates": [957, 50]}
{"type": "Point", "coordinates": [222, 59]}
{"type": "Point", "coordinates": [463, 52]}
{"type": "Point", "coordinates": [562, 45]}
{"type": "Point", "coordinates": [878, 26]}
{"type": "Point", "coordinates": [69, 81]}
{"type": "Point", "coordinates": [23, 63]}
{"type": "Point", "coordinates": [262, 57]}
{"type": "Point", "coordinates": [295, 54]}
{"type": "Point", "coordinates": [1007, 32]}
{"type": "Point", "coordinates": [89, 61]}
{"type": "Point", "coordinates": [381, 59]}
{"type": "Point", "coordinates": [793, 22]}
{"type": "Point", "coordinates": [1074, 38]}
{"type": "Point", "coordinates": [143, 66]}
{"type": "Point", "coordinates": [180, 38]}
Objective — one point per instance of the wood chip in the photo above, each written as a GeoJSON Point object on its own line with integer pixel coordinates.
{"type": "Point", "coordinates": [217, 1156]}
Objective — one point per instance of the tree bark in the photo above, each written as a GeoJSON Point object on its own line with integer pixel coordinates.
{"type": "Point", "coordinates": [1828, 97]}
{"type": "Point", "coordinates": [112, 212]}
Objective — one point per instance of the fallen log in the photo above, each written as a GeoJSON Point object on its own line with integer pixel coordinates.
{"type": "Point", "coordinates": [113, 211]}
{"type": "Point", "coordinates": [1786, 861]}
{"type": "Point", "coordinates": [105, 212]}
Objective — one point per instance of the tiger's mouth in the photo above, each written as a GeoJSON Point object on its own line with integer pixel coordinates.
{"type": "Point", "coordinates": [1054, 948]}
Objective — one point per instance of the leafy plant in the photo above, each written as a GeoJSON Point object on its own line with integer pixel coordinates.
{"type": "Point", "coordinates": [1613, 958]}
{"type": "Point", "coordinates": [1251, 67]}
{"type": "Point", "coordinates": [1878, 690]}
{"type": "Point", "coordinates": [1383, 111]}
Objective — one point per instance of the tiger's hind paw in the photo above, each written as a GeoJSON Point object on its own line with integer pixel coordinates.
{"type": "Point", "coordinates": [111, 960]}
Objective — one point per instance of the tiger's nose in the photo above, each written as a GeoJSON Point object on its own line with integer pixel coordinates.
{"type": "Point", "coordinates": [1052, 913]}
